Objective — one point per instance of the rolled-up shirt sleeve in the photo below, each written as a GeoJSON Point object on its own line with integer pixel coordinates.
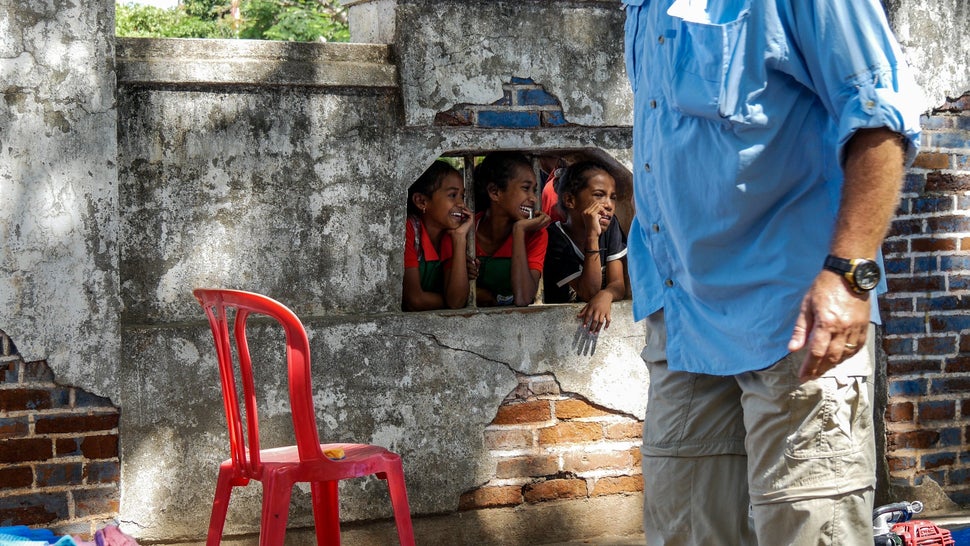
{"type": "Point", "coordinates": [857, 69]}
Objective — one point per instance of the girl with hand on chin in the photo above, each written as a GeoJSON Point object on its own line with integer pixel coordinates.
{"type": "Point", "coordinates": [510, 242]}
{"type": "Point", "coordinates": [586, 250]}
{"type": "Point", "coordinates": [437, 229]}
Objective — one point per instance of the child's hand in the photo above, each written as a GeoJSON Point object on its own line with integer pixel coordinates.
{"type": "Point", "coordinates": [471, 264]}
{"type": "Point", "coordinates": [466, 223]}
{"type": "Point", "coordinates": [538, 221]}
{"type": "Point", "coordinates": [593, 217]}
{"type": "Point", "coordinates": [595, 315]}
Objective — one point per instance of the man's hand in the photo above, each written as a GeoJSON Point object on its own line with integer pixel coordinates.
{"type": "Point", "coordinates": [832, 323]}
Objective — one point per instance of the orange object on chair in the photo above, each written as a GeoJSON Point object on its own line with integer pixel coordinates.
{"type": "Point", "coordinates": [280, 468]}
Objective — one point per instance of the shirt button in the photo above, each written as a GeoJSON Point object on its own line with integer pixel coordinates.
{"type": "Point", "coordinates": [669, 283]}
{"type": "Point", "coordinates": [660, 39]}
{"type": "Point", "coordinates": [646, 167]}
{"type": "Point", "coordinates": [653, 104]}
{"type": "Point", "coordinates": [655, 228]}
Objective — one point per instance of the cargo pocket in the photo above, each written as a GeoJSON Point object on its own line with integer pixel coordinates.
{"type": "Point", "coordinates": [829, 410]}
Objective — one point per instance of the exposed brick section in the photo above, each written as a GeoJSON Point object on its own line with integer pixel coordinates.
{"type": "Point", "coordinates": [555, 489]}
{"type": "Point", "coordinates": [59, 458]}
{"type": "Point", "coordinates": [550, 445]}
{"type": "Point", "coordinates": [617, 485]}
{"type": "Point", "coordinates": [927, 323]}
{"type": "Point", "coordinates": [524, 105]}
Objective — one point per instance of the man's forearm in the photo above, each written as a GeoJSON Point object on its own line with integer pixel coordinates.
{"type": "Point", "coordinates": [870, 194]}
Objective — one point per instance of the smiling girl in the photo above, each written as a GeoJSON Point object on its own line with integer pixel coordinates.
{"type": "Point", "coordinates": [586, 250]}
{"type": "Point", "coordinates": [437, 229]}
{"type": "Point", "coordinates": [510, 242]}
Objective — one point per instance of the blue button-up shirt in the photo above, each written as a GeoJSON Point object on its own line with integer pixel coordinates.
{"type": "Point", "coordinates": [742, 110]}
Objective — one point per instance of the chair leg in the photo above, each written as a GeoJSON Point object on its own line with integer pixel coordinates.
{"type": "Point", "coordinates": [326, 512]}
{"type": "Point", "coordinates": [276, 510]}
{"type": "Point", "coordinates": [399, 502]}
{"type": "Point", "coordinates": [220, 505]}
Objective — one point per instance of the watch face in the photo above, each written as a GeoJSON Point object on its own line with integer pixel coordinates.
{"type": "Point", "coordinates": [866, 275]}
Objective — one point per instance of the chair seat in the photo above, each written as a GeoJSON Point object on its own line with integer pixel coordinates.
{"type": "Point", "coordinates": [359, 460]}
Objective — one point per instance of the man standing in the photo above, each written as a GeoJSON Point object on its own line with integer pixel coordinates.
{"type": "Point", "coordinates": [769, 141]}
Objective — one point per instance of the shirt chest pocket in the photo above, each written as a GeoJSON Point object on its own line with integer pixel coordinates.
{"type": "Point", "coordinates": [718, 69]}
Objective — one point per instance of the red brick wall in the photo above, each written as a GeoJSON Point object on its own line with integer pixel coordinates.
{"type": "Point", "coordinates": [551, 445]}
{"type": "Point", "coordinates": [927, 311]}
{"type": "Point", "coordinates": [59, 465]}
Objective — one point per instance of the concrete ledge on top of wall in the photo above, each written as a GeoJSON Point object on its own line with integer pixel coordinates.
{"type": "Point", "coordinates": [253, 62]}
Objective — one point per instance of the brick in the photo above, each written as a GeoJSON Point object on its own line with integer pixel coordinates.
{"type": "Point", "coordinates": [959, 364]}
{"type": "Point", "coordinates": [67, 447]}
{"type": "Point", "coordinates": [571, 433]}
{"type": "Point", "coordinates": [16, 477]}
{"type": "Point", "coordinates": [914, 182]}
{"type": "Point", "coordinates": [897, 464]}
{"type": "Point", "coordinates": [51, 475]}
{"type": "Point", "coordinates": [936, 460]}
{"type": "Point", "coordinates": [945, 139]}
{"type": "Point", "coordinates": [100, 447]}
{"type": "Point", "coordinates": [911, 367]}
{"type": "Point", "coordinates": [900, 412]}
{"type": "Point", "coordinates": [933, 204]}
{"type": "Point", "coordinates": [933, 122]}
{"type": "Point", "coordinates": [906, 226]}
{"type": "Point", "coordinates": [904, 325]}
{"type": "Point", "coordinates": [626, 430]}
{"type": "Point", "coordinates": [890, 304]}
{"type": "Point", "coordinates": [922, 283]}
{"type": "Point", "coordinates": [908, 387]}
{"type": "Point", "coordinates": [615, 485]}
{"type": "Point", "coordinates": [25, 399]}
{"type": "Point", "coordinates": [949, 323]}
{"type": "Point", "coordinates": [75, 423]}
{"type": "Point", "coordinates": [959, 282]}
{"type": "Point", "coordinates": [491, 497]}
{"type": "Point", "coordinates": [96, 502]}
{"type": "Point", "coordinates": [952, 385]}
{"type": "Point", "coordinates": [535, 411]}
{"type": "Point", "coordinates": [916, 439]}
{"type": "Point", "coordinates": [933, 244]}
{"type": "Point", "coordinates": [898, 265]}
{"type": "Point", "coordinates": [954, 263]}
{"type": "Point", "coordinates": [932, 160]}
{"type": "Point", "coordinates": [950, 437]}
{"type": "Point", "coordinates": [102, 472]}
{"type": "Point", "coordinates": [563, 488]}
{"type": "Point", "coordinates": [535, 97]}
{"type": "Point", "coordinates": [577, 409]}
{"type": "Point", "coordinates": [892, 248]}
{"type": "Point", "coordinates": [926, 264]}
{"type": "Point", "coordinates": [949, 224]}
{"type": "Point", "coordinates": [25, 450]}
{"type": "Point", "coordinates": [84, 399]}
{"type": "Point", "coordinates": [12, 427]}
{"type": "Point", "coordinates": [553, 119]}
{"type": "Point", "coordinates": [544, 385]}
{"type": "Point", "coordinates": [584, 462]}
{"type": "Point", "coordinates": [937, 345]}
{"type": "Point", "coordinates": [942, 303]}
{"type": "Point", "coordinates": [963, 201]}
{"type": "Point", "coordinates": [937, 410]}
{"type": "Point", "coordinates": [508, 439]}
{"type": "Point", "coordinates": [38, 372]}
{"type": "Point", "coordinates": [898, 346]}
{"type": "Point", "coordinates": [965, 408]}
{"type": "Point", "coordinates": [507, 119]}
{"type": "Point", "coordinates": [33, 509]}
{"type": "Point", "coordinates": [530, 467]}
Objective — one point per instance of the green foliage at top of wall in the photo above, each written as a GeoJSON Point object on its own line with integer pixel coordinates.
{"type": "Point", "coordinates": [288, 20]}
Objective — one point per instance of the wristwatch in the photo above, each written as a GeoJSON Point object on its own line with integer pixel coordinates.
{"type": "Point", "coordinates": [862, 275]}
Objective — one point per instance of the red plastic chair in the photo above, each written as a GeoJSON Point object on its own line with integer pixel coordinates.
{"type": "Point", "coordinates": [280, 468]}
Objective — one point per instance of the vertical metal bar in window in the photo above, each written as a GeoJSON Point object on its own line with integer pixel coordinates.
{"type": "Point", "coordinates": [537, 172]}
{"type": "Point", "coordinates": [467, 171]}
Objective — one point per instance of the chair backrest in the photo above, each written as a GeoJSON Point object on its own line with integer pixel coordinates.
{"type": "Point", "coordinates": [219, 306]}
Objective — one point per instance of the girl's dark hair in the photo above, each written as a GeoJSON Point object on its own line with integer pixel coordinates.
{"type": "Point", "coordinates": [428, 182]}
{"type": "Point", "coordinates": [575, 177]}
{"type": "Point", "coordinates": [496, 169]}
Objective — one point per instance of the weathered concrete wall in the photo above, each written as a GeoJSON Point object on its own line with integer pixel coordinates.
{"type": "Point", "coordinates": [58, 188]}
{"type": "Point", "coordinates": [934, 38]}
{"type": "Point", "coordinates": [271, 180]}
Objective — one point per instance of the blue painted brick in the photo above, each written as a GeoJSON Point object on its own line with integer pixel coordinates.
{"type": "Point", "coordinates": [946, 139]}
{"type": "Point", "coordinates": [84, 399]}
{"type": "Point", "coordinates": [103, 472]}
{"type": "Point", "coordinates": [899, 346]}
{"type": "Point", "coordinates": [941, 303]}
{"type": "Point", "coordinates": [897, 265]}
{"type": "Point", "coordinates": [909, 226]}
{"type": "Point", "coordinates": [959, 282]}
{"type": "Point", "coordinates": [59, 474]}
{"type": "Point", "coordinates": [535, 97]}
{"type": "Point", "coordinates": [954, 263]}
{"type": "Point", "coordinates": [923, 205]}
{"type": "Point", "coordinates": [923, 264]}
{"type": "Point", "coordinates": [907, 387]}
{"type": "Point", "coordinates": [960, 475]}
{"type": "Point", "coordinates": [936, 460]}
{"type": "Point", "coordinates": [963, 201]}
{"type": "Point", "coordinates": [961, 122]}
{"type": "Point", "coordinates": [553, 119]}
{"type": "Point", "coordinates": [904, 325]}
{"type": "Point", "coordinates": [507, 119]}
{"type": "Point", "coordinates": [522, 81]}
{"type": "Point", "coordinates": [949, 323]}
{"type": "Point", "coordinates": [914, 183]}
{"type": "Point", "coordinates": [38, 507]}
{"type": "Point", "coordinates": [950, 437]}
{"type": "Point", "coordinates": [957, 496]}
